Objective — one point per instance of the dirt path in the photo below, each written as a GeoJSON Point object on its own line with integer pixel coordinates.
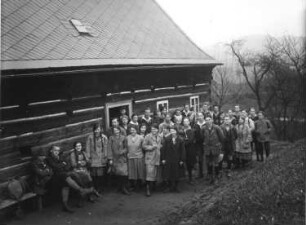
{"type": "Point", "coordinates": [115, 208]}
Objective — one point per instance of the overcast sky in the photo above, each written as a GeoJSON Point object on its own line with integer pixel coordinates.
{"type": "Point", "coordinates": [211, 21]}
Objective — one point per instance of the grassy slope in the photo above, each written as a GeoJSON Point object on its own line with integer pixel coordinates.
{"type": "Point", "coordinates": [269, 193]}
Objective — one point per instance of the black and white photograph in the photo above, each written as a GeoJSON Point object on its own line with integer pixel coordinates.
{"type": "Point", "coordinates": [152, 112]}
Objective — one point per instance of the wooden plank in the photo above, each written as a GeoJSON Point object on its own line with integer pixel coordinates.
{"type": "Point", "coordinates": [65, 144]}
{"type": "Point", "coordinates": [8, 202]}
{"type": "Point", "coordinates": [52, 107]}
{"type": "Point", "coordinates": [46, 136]}
{"type": "Point", "coordinates": [19, 170]}
{"type": "Point", "coordinates": [47, 123]}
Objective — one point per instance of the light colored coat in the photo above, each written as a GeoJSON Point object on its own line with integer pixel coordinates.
{"type": "Point", "coordinates": [244, 138]}
{"type": "Point", "coordinates": [96, 150]}
{"type": "Point", "coordinates": [152, 145]}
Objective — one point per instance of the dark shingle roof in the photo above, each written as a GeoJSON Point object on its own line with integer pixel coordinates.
{"type": "Point", "coordinates": [38, 33]}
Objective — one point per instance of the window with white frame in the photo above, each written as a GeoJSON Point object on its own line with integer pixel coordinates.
{"type": "Point", "coordinates": [195, 103]}
{"type": "Point", "coordinates": [162, 104]}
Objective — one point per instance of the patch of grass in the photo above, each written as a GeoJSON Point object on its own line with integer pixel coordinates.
{"type": "Point", "coordinates": [268, 193]}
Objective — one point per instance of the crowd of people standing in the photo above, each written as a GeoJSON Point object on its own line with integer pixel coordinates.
{"type": "Point", "coordinates": [144, 151]}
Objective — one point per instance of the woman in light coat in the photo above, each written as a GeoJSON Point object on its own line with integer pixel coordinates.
{"type": "Point", "coordinates": [243, 151]}
{"type": "Point", "coordinates": [135, 156]}
{"type": "Point", "coordinates": [96, 150]}
{"type": "Point", "coordinates": [151, 146]}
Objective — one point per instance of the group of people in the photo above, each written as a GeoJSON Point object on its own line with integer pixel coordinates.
{"type": "Point", "coordinates": [145, 150]}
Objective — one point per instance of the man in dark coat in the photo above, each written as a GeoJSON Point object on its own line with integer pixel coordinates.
{"type": "Point", "coordinates": [230, 136]}
{"type": "Point", "coordinates": [147, 119]}
{"type": "Point", "coordinates": [189, 139]}
{"type": "Point", "coordinates": [199, 141]}
{"type": "Point", "coordinates": [213, 139]}
{"type": "Point", "coordinates": [172, 159]}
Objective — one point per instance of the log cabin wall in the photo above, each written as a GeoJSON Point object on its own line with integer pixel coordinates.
{"type": "Point", "coordinates": [39, 110]}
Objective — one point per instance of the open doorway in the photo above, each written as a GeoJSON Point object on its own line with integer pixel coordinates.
{"type": "Point", "coordinates": [113, 110]}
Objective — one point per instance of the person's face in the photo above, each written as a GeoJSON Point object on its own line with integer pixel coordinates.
{"type": "Point", "coordinates": [123, 111]}
{"type": "Point", "coordinates": [241, 121]}
{"type": "Point", "coordinates": [116, 131]}
{"type": "Point", "coordinates": [186, 122]}
{"type": "Point", "coordinates": [227, 120]}
{"type": "Point", "coordinates": [42, 157]}
{"type": "Point", "coordinates": [222, 116]}
{"type": "Point", "coordinates": [200, 117]}
{"type": "Point", "coordinates": [147, 112]}
{"type": "Point", "coordinates": [244, 114]}
{"type": "Point", "coordinates": [168, 118]}
{"type": "Point", "coordinates": [237, 108]}
{"type": "Point", "coordinates": [133, 131]}
{"type": "Point", "coordinates": [177, 121]}
{"type": "Point", "coordinates": [205, 107]}
{"type": "Point", "coordinates": [115, 123]}
{"type": "Point", "coordinates": [165, 131]}
{"type": "Point", "coordinates": [164, 111]}
{"type": "Point", "coordinates": [230, 112]}
{"type": "Point", "coordinates": [135, 119]}
{"type": "Point", "coordinates": [143, 129]}
{"type": "Point", "coordinates": [178, 113]}
{"type": "Point", "coordinates": [252, 112]}
{"type": "Point", "coordinates": [78, 146]}
{"type": "Point", "coordinates": [55, 151]}
{"type": "Point", "coordinates": [98, 130]}
{"type": "Point", "coordinates": [260, 116]}
{"type": "Point", "coordinates": [208, 121]}
{"type": "Point", "coordinates": [216, 108]}
{"type": "Point", "coordinates": [125, 120]}
{"type": "Point", "coordinates": [186, 107]}
{"type": "Point", "coordinates": [154, 130]}
{"type": "Point", "coordinates": [158, 114]}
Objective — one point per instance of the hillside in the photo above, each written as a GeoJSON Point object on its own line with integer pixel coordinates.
{"type": "Point", "coordinates": [269, 193]}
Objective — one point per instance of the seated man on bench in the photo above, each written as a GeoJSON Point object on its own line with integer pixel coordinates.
{"type": "Point", "coordinates": [43, 175]}
{"type": "Point", "coordinates": [62, 177]}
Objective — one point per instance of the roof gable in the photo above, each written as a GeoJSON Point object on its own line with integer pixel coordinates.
{"type": "Point", "coordinates": [121, 31]}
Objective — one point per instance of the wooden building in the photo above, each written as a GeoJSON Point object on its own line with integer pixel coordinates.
{"type": "Point", "coordinates": [67, 64]}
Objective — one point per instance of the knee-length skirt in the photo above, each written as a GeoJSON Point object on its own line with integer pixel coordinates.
{"type": "Point", "coordinates": [136, 169]}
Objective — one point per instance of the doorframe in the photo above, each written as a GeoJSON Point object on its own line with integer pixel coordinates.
{"type": "Point", "coordinates": [110, 105]}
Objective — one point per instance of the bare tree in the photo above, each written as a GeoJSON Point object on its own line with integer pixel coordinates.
{"type": "Point", "coordinates": [221, 85]}
{"type": "Point", "coordinates": [255, 69]}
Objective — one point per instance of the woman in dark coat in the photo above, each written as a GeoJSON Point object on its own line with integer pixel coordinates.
{"type": "Point", "coordinates": [172, 159]}
{"type": "Point", "coordinates": [117, 154]}
{"type": "Point", "coordinates": [79, 162]}
{"type": "Point", "coordinates": [189, 139]}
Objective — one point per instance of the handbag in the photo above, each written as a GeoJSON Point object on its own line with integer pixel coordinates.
{"type": "Point", "coordinates": [15, 189]}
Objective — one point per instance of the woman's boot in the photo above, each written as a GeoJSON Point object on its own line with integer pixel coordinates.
{"type": "Point", "coordinates": [65, 197]}
{"type": "Point", "coordinates": [124, 182]}
{"type": "Point", "coordinates": [148, 187]}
